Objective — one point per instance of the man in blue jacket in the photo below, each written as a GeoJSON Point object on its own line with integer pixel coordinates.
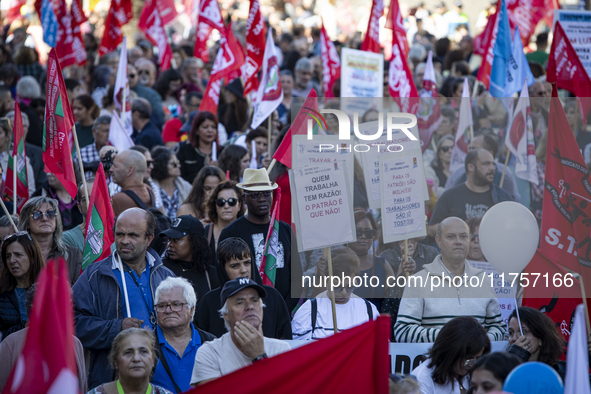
{"type": "Point", "coordinates": [99, 302]}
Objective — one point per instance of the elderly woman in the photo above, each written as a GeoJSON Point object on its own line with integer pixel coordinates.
{"type": "Point", "coordinates": [206, 181]}
{"type": "Point", "coordinates": [40, 216]}
{"type": "Point", "coordinates": [23, 260]}
{"type": "Point", "coordinates": [6, 126]}
{"type": "Point", "coordinates": [166, 176]}
{"type": "Point", "coordinates": [223, 206]}
{"type": "Point", "coordinates": [133, 356]}
{"type": "Point", "coordinates": [196, 153]}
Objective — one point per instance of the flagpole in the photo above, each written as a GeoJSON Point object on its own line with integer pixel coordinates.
{"type": "Point", "coordinates": [14, 194]}
{"type": "Point", "coordinates": [505, 169]}
{"type": "Point", "coordinates": [474, 92]}
{"type": "Point", "coordinates": [8, 215]}
{"type": "Point", "coordinates": [328, 255]}
{"type": "Point", "coordinates": [120, 265]}
{"type": "Point", "coordinates": [271, 166]}
{"type": "Point", "coordinates": [585, 302]}
{"type": "Point", "coordinates": [269, 134]}
{"type": "Point", "coordinates": [405, 255]}
{"type": "Point", "coordinates": [80, 165]}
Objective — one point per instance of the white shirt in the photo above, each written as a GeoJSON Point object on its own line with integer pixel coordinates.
{"type": "Point", "coordinates": [428, 386]}
{"type": "Point", "coordinates": [349, 315]}
{"type": "Point", "coordinates": [221, 357]}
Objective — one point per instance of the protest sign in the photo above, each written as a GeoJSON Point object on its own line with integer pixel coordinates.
{"type": "Point", "coordinates": [369, 160]}
{"type": "Point", "coordinates": [403, 206]}
{"type": "Point", "coordinates": [323, 149]}
{"type": "Point", "coordinates": [362, 73]}
{"type": "Point", "coordinates": [323, 213]}
{"type": "Point", "coordinates": [577, 26]}
{"type": "Point", "coordinates": [505, 293]}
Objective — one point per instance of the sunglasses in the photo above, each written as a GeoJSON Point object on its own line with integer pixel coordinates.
{"type": "Point", "coordinates": [175, 164]}
{"type": "Point", "coordinates": [140, 72]}
{"type": "Point", "coordinates": [20, 233]}
{"type": "Point", "coordinates": [220, 202]}
{"type": "Point", "coordinates": [446, 148]}
{"type": "Point", "coordinates": [257, 195]}
{"type": "Point", "coordinates": [131, 75]}
{"type": "Point", "coordinates": [150, 163]}
{"type": "Point", "coordinates": [365, 233]}
{"type": "Point", "coordinates": [37, 215]}
{"type": "Point", "coordinates": [474, 236]}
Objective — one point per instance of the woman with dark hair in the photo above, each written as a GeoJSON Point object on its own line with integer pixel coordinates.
{"type": "Point", "coordinates": [188, 254]}
{"type": "Point", "coordinates": [489, 373]}
{"type": "Point", "coordinates": [540, 341]}
{"type": "Point", "coordinates": [196, 153]}
{"type": "Point", "coordinates": [67, 206]}
{"type": "Point", "coordinates": [233, 113]}
{"type": "Point", "coordinates": [85, 112]}
{"type": "Point", "coordinates": [235, 159]}
{"type": "Point", "coordinates": [99, 83]}
{"type": "Point", "coordinates": [223, 206]}
{"type": "Point", "coordinates": [206, 181]}
{"type": "Point", "coordinates": [167, 85]}
{"type": "Point", "coordinates": [475, 253]}
{"type": "Point", "coordinates": [23, 262]}
{"type": "Point", "coordinates": [439, 168]}
{"type": "Point", "coordinates": [166, 176]}
{"type": "Point", "coordinates": [459, 344]}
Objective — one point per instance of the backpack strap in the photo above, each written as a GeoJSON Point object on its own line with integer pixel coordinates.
{"type": "Point", "coordinates": [162, 359]}
{"type": "Point", "coordinates": [369, 310]}
{"type": "Point", "coordinates": [152, 198]}
{"type": "Point", "coordinates": [137, 199]}
{"type": "Point", "coordinates": [314, 305]}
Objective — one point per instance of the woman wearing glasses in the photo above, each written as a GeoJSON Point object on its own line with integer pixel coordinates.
{"type": "Point", "coordinates": [224, 206]}
{"type": "Point", "coordinates": [41, 218]}
{"type": "Point", "coordinates": [22, 263]}
{"type": "Point", "coordinates": [439, 168]}
{"type": "Point", "coordinates": [67, 206]}
{"type": "Point", "coordinates": [166, 175]}
{"type": "Point", "coordinates": [459, 344]}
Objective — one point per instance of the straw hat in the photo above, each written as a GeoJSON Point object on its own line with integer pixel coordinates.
{"type": "Point", "coordinates": [256, 180]}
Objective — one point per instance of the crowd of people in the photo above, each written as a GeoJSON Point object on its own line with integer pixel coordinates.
{"type": "Point", "coordinates": [193, 213]}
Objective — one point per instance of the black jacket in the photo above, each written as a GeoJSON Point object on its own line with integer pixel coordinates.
{"type": "Point", "coordinates": [10, 317]}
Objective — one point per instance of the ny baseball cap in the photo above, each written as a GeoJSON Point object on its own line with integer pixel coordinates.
{"type": "Point", "coordinates": [234, 286]}
{"type": "Point", "coordinates": [183, 225]}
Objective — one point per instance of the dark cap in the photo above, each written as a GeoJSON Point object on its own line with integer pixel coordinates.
{"type": "Point", "coordinates": [182, 226]}
{"type": "Point", "coordinates": [235, 285]}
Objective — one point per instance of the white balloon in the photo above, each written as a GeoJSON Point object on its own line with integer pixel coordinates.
{"type": "Point", "coordinates": [509, 237]}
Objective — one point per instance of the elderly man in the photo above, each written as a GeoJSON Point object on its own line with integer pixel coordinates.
{"type": "Point", "coordinates": [148, 93]}
{"type": "Point", "coordinates": [100, 305]}
{"type": "Point", "coordinates": [146, 72]}
{"type": "Point", "coordinates": [128, 171]}
{"type": "Point", "coordinates": [424, 310]}
{"type": "Point", "coordinates": [254, 227]}
{"type": "Point", "coordinates": [303, 78]}
{"type": "Point", "coordinates": [144, 131]}
{"type": "Point", "coordinates": [100, 133]}
{"type": "Point", "coordinates": [177, 338]}
{"type": "Point", "coordinates": [474, 197]}
{"type": "Point", "coordinates": [244, 344]}
{"type": "Point", "coordinates": [190, 71]}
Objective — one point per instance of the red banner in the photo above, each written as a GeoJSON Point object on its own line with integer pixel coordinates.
{"type": "Point", "coordinates": [78, 18]}
{"type": "Point", "coordinates": [331, 64]}
{"type": "Point", "coordinates": [485, 47]}
{"type": "Point", "coordinates": [151, 23]}
{"type": "Point", "coordinates": [394, 22]}
{"type": "Point", "coordinates": [525, 14]}
{"type": "Point", "coordinates": [371, 42]}
{"type": "Point", "coordinates": [167, 11]}
{"type": "Point", "coordinates": [119, 14]}
{"type": "Point", "coordinates": [400, 80]}
{"type": "Point", "coordinates": [255, 47]}
{"type": "Point", "coordinates": [209, 17]}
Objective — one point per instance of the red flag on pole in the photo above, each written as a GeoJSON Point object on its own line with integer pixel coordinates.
{"type": "Point", "coordinates": [485, 44]}
{"type": "Point", "coordinates": [525, 14]}
{"type": "Point", "coordinates": [209, 17]}
{"type": "Point", "coordinates": [167, 11]}
{"type": "Point", "coordinates": [65, 39]}
{"type": "Point", "coordinates": [394, 22]}
{"type": "Point", "coordinates": [47, 363]}
{"type": "Point", "coordinates": [331, 64]}
{"type": "Point", "coordinates": [371, 42]}
{"type": "Point", "coordinates": [57, 129]}
{"type": "Point", "coordinates": [482, 41]}
{"type": "Point", "coordinates": [78, 18]}
{"type": "Point", "coordinates": [20, 168]}
{"type": "Point", "coordinates": [151, 23]}
{"type": "Point", "coordinates": [566, 219]}
{"type": "Point", "coordinates": [352, 361]}
{"type": "Point", "coordinates": [255, 47]}
{"type": "Point", "coordinates": [119, 14]}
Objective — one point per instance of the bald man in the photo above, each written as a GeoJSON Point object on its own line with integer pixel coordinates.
{"type": "Point", "coordinates": [447, 288]}
{"type": "Point", "coordinates": [128, 171]}
{"type": "Point", "coordinates": [99, 306]}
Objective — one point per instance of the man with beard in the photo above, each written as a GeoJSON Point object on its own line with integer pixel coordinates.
{"type": "Point", "coordinates": [474, 197]}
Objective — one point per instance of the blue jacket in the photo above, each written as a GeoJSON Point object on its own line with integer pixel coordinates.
{"type": "Point", "coordinates": [98, 312]}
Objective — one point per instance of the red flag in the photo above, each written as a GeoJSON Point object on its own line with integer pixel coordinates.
{"type": "Point", "coordinates": [482, 41]}
{"type": "Point", "coordinates": [555, 298]}
{"type": "Point", "coordinates": [485, 46]}
{"type": "Point", "coordinates": [100, 219]}
{"type": "Point", "coordinates": [78, 18]}
{"type": "Point", "coordinates": [20, 168]}
{"type": "Point", "coordinates": [47, 363]}
{"type": "Point", "coordinates": [565, 68]}
{"type": "Point", "coordinates": [525, 14]}
{"type": "Point", "coordinates": [566, 219]}
{"type": "Point", "coordinates": [255, 47]}
{"type": "Point", "coordinates": [298, 127]}
{"type": "Point", "coordinates": [119, 14]}
{"type": "Point", "coordinates": [65, 39]}
{"type": "Point", "coordinates": [167, 11]}
{"type": "Point", "coordinates": [394, 22]}
{"type": "Point", "coordinates": [57, 129]}
{"type": "Point", "coordinates": [331, 64]}
{"type": "Point", "coordinates": [353, 361]}
{"type": "Point", "coordinates": [211, 98]}
{"type": "Point", "coordinates": [151, 23]}
{"type": "Point", "coordinates": [371, 42]}
{"type": "Point", "coordinates": [209, 17]}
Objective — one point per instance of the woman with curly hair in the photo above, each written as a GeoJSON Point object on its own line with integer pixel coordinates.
{"type": "Point", "coordinates": [224, 206]}
{"type": "Point", "coordinates": [188, 254]}
{"type": "Point", "coordinates": [234, 159]}
{"type": "Point", "coordinates": [203, 185]}
{"type": "Point", "coordinates": [167, 181]}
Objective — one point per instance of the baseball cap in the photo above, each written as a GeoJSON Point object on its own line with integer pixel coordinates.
{"type": "Point", "coordinates": [183, 225]}
{"type": "Point", "coordinates": [235, 285]}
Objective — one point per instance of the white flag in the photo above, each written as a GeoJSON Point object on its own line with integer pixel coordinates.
{"type": "Point", "coordinates": [270, 94]}
{"type": "Point", "coordinates": [121, 85]}
{"type": "Point", "coordinates": [577, 358]}
{"type": "Point", "coordinates": [253, 155]}
{"type": "Point", "coordinates": [460, 149]}
{"type": "Point", "coordinates": [520, 139]}
{"type": "Point", "coordinates": [118, 136]}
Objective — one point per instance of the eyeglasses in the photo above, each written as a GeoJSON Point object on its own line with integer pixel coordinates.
{"type": "Point", "coordinates": [37, 215]}
{"type": "Point", "coordinates": [257, 195]}
{"type": "Point", "coordinates": [446, 148]}
{"type": "Point", "coordinates": [140, 72]}
{"type": "Point", "coordinates": [131, 75]}
{"type": "Point", "coordinates": [365, 232]}
{"type": "Point", "coordinates": [175, 307]}
{"type": "Point", "coordinates": [150, 163]}
{"type": "Point", "coordinates": [220, 202]}
{"type": "Point", "coordinates": [474, 236]}
{"type": "Point", "coordinates": [469, 362]}
{"type": "Point", "coordinates": [20, 233]}
{"type": "Point", "coordinates": [175, 164]}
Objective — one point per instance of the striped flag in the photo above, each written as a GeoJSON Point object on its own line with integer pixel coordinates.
{"type": "Point", "coordinates": [268, 268]}
{"type": "Point", "coordinates": [18, 150]}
